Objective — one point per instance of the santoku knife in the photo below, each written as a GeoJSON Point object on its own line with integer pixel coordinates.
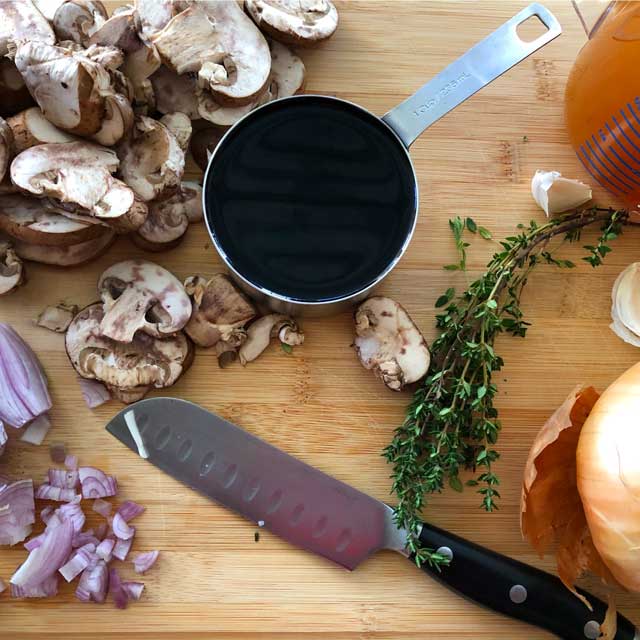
{"type": "Point", "coordinates": [317, 512]}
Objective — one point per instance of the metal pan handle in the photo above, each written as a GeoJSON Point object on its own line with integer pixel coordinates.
{"type": "Point", "coordinates": [482, 64]}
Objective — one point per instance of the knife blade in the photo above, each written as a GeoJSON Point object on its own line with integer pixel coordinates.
{"type": "Point", "coordinates": [316, 512]}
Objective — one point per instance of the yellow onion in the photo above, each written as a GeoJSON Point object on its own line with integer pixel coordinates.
{"type": "Point", "coordinates": [608, 477]}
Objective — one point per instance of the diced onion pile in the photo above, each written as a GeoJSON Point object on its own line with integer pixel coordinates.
{"type": "Point", "coordinates": [64, 548]}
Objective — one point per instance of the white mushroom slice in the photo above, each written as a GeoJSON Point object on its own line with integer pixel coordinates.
{"type": "Point", "coordinates": [220, 43]}
{"type": "Point", "coordinates": [65, 256]}
{"type": "Point", "coordinates": [287, 79]}
{"type": "Point", "coordinates": [555, 194]}
{"type": "Point", "coordinates": [31, 128]}
{"type": "Point", "coordinates": [302, 23]}
{"type": "Point", "coordinates": [180, 126]}
{"type": "Point", "coordinates": [29, 219]}
{"type": "Point", "coordinates": [118, 120]}
{"type": "Point", "coordinates": [152, 162]}
{"type": "Point", "coordinates": [80, 173]}
{"type": "Point", "coordinates": [164, 227]}
{"type": "Point", "coordinates": [141, 296]}
{"type": "Point", "coordinates": [48, 8]}
{"type": "Point", "coordinates": [260, 332]}
{"type": "Point", "coordinates": [11, 269]}
{"type": "Point", "coordinates": [14, 95]}
{"type": "Point", "coordinates": [19, 21]}
{"type": "Point", "coordinates": [625, 305]}
{"type": "Point", "coordinates": [388, 342]}
{"type": "Point", "coordinates": [71, 87]}
{"type": "Point", "coordinates": [141, 60]}
{"type": "Point", "coordinates": [7, 147]}
{"type": "Point", "coordinates": [203, 143]}
{"type": "Point", "coordinates": [189, 197]}
{"type": "Point", "coordinates": [220, 312]}
{"type": "Point", "coordinates": [154, 15]}
{"type": "Point", "coordinates": [132, 368]}
{"type": "Point", "coordinates": [57, 318]}
{"type": "Point", "coordinates": [122, 85]}
{"type": "Point", "coordinates": [175, 93]}
{"type": "Point", "coordinates": [76, 20]}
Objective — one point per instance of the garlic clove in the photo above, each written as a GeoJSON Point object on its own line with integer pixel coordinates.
{"type": "Point", "coordinates": [625, 305]}
{"type": "Point", "coordinates": [555, 194]}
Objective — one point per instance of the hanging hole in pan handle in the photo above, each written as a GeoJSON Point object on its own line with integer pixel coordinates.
{"type": "Point", "coordinates": [531, 29]}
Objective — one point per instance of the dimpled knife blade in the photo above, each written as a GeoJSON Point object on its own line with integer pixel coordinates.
{"type": "Point", "coordinates": [242, 472]}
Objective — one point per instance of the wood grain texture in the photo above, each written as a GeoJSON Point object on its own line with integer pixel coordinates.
{"type": "Point", "coordinates": [213, 581]}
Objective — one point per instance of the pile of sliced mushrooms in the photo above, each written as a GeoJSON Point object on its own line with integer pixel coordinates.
{"type": "Point", "coordinates": [98, 113]}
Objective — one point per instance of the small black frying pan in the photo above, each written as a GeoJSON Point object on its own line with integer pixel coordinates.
{"type": "Point", "coordinates": [312, 200]}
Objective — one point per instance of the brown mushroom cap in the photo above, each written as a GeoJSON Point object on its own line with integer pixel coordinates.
{"type": "Point", "coordinates": [11, 269]}
{"type": "Point", "coordinates": [220, 311]}
{"type": "Point", "coordinates": [31, 128]}
{"type": "Point", "coordinates": [388, 342]}
{"type": "Point", "coordinates": [141, 296]}
{"type": "Point", "coordinates": [20, 20]}
{"type": "Point", "coordinates": [164, 227]}
{"type": "Point", "coordinates": [80, 173]}
{"type": "Point", "coordinates": [7, 147]}
{"type": "Point", "coordinates": [203, 142]}
{"type": "Point", "coordinates": [76, 20]}
{"type": "Point", "coordinates": [135, 367]}
{"type": "Point", "coordinates": [30, 220]}
{"type": "Point", "coordinates": [71, 85]}
{"type": "Point", "coordinates": [65, 256]}
{"type": "Point", "coordinates": [302, 23]}
{"type": "Point", "coordinates": [261, 331]}
{"type": "Point", "coordinates": [151, 160]}
{"type": "Point", "coordinates": [14, 95]}
{"type": "Point", "coordinates": [175, 93]}
{"type": "Point", "coordinates": [180, 126]}
{"type": "Point", "coordinates": [221, 44]}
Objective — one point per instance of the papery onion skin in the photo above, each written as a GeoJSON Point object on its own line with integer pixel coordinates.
{"type": "Point", "coordinates": [608, 473]}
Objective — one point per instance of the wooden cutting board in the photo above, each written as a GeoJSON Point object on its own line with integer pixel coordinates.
{"type": "Point", "coordinates": [213, 580]}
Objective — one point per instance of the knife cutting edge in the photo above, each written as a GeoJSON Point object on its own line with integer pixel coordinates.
{"type": "Point", "coordinates": [318, 513]}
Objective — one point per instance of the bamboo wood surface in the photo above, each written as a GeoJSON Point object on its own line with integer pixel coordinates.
{"type": "Point", "coordinates": [213, 580]}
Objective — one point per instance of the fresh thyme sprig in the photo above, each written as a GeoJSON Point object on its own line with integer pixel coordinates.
{"type": "Point", "coordinates": [452, 423]}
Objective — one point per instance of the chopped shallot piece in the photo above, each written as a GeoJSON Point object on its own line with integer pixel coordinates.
{"type": "Point", "coordinates": [46, 513]}
{"type": "Point", "coordinates": [105, 549]}
{"type": "Point", "coordinates": [47, 492]}
{"type": "Point", "coordinates": [37, 430]}
{"type": "Point", "coordinates": [96, 483]}
{"type": "Point", "coordinates": [45, 589]}
{"type": "Point", "coordinates": [79, 561]}
{"type": "Point", "coordinates": [144, 561]}
{"type": "Point", "coordinates": [84, 537]}
{"type": "Point", "coordinates": [130, 510]}
{"type": "Point", "coordinates": [94, 393]}
{"type": "Point", "coordinates": [101, 530]}
{"type": "Point", "coordinates": [121, 528]}
{"type": "Point", "coordinates": [72, 511]}
{"type": "Point", "coordinates": [133, 589]}
{"type": "Point", "coordinates": [102, 507]}
{"type": "Point", "coordinates": [57, 452]}
{"type": "Point", "coordinates": [93, 583]}
{"type": "Point", "coordinates": [71, 462]}
{"type": "Point", "coordinates": [17, 511]}
{"type": "Point", "coordinates": [119, 595]}
{"type": "Point", "coordinates": [63, 478]}
{"type": "Point", "coordinates": [121, 550]}
{"type": "Point", "coordinates": [34, 543]}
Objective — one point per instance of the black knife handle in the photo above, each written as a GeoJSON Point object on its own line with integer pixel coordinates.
{"type": "Point", "coordinates": [517, 589]}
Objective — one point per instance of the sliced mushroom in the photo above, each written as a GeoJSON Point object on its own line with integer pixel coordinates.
{"type": "Point", "coordinates": [389, 343]}
{"type": "Point", "coordinates": [180, 126]}
{"type": "Point", "coordinates": [303, 23]}
{"type": "Point", "coordinates": [80, 173]}
{"type": "Point", "coordinates": [190, 200]}
{"type": "Point", "coordinates": [11, 269]}
{"type": "Point", "coordinates": [141, 296]}
{"type": "Point", "coordinates": [31, 128]}
{"type": "Point", "coordinates": [57, 318]}
{"type": "Point", "coordinates": [203, 142]}
{"type": "Point", "coordinates": [73, 88]}
{"type": "Point", "coordinates": [7, 147]}
{"type": "Point", "coordinates": [154, 15]}
{"type": "Point", "coordinates": [152, 162]}
{"type": "Point", "coordinates": [259, 335]}
{"type": "Point", "coordinates": [76, 20]}
{"type": "Point", "coordinates": [141, 60]}
{"type": "Point", "coordinates": [29, 220]}
{"type": "Point", "coordinates": [287, 79]}
{"type": "Point", "coordinates": [220, 312]}
{"type": "Point", "coordinates": [118, 120]}
{"type": "Point", "coordinates": [219, 42]}
{"type": "Point", "coordinates": [14, 95]}
{"type": "Point", "coordinates": [164, 227]}
{"type": "Point", "coordinates": [19, 21]}
{"type": "Point", "coordinates": [132, 368]}
{"type": "Point", "coordinates": [69, 256]}
{"type": "Point", "coordinates": [175, 93]}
